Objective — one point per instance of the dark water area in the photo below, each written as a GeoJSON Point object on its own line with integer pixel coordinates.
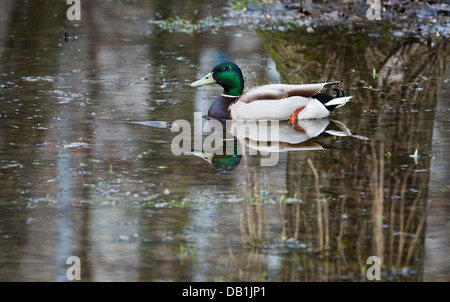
{"type": "Point", "coordinates": [87, 166]}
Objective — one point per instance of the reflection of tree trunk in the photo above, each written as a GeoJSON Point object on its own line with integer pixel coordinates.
{"type": "Point", "coordinates": [393, 69]}
{"type": "Point", "coordinates": [416, 65]}
{"type": "Point", "coordinates": [408, 73]}
{"type": "Point", "coordinates": [438, 222]}
{"type": "Point", "coordinates": [90, 65]}
{"type": "Point", "coordinates": [377, 187]}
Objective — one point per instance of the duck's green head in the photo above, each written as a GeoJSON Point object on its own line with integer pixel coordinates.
{"type": "Point", "coordinates": [228, 75]}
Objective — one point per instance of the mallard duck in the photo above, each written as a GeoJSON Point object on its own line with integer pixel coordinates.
{"type": "Point", "coordinates": [266, 139]}
{"type": "Point", "coordinates": [268, 102]}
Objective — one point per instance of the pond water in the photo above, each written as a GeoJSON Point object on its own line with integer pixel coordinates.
{"type": "Point", "coordinates": [87, 167]}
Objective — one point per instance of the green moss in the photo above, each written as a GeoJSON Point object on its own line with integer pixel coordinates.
{"type": "Point", "coordinates": [187, 26]}
{"type": "Point", "coordinates": [241, 4]}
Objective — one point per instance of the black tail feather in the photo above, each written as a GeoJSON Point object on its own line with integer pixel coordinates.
{"type": "Point", "coordinates": [339, 92]}
{"type": "Point", "coordinates": [325, 98]}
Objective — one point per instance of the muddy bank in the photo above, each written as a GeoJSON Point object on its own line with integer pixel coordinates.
{"type": "Point", "coordinates": [406, 17]}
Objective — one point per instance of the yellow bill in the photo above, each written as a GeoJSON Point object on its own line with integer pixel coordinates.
{"type": "Point", "coordinates": [206, 80]}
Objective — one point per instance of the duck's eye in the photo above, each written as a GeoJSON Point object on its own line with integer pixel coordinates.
{"type": "Point", "coordinates": [224, 69]}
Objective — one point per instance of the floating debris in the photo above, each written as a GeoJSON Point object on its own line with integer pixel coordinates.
{"type": "Point", "coordinates": [38, 78]}
{"type": "Point", "coordinates": [76, 145]}
{"type": "Point", "coordinates": [180, 25]}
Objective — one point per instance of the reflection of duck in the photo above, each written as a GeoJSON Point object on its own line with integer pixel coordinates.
{"type": "Point", "coordinates": [268, 102]}
{"type": "Point", "coordinates": [233, 137]}
{"type": "Point", "coordinates": [266, 137]}
{"type": "Point", "coordinates": [279, 136]}
{"type": "Point", "coordinates": [220, 159]}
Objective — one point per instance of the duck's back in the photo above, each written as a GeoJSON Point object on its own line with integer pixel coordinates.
{"type": "Point", "coordinates": [281, 91]}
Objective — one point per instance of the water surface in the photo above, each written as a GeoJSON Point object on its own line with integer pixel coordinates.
{"type": "Point", "coordinates": [87, 169]}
